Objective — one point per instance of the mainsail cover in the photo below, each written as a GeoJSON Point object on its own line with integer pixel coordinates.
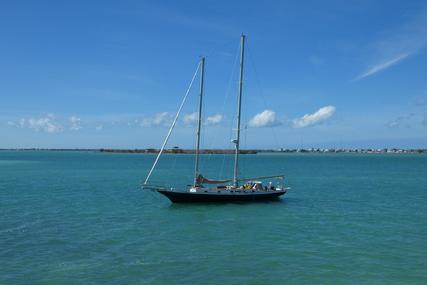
{"type": "Point", "coordinates": [202, 180]}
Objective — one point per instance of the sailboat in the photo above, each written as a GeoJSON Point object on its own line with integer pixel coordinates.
{"type": "Point", "coordinates": [226, 190]}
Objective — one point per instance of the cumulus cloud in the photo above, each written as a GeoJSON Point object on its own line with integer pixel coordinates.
{"type": "Point", "coordinates": [46, 124]}
{"type": "Point", "coordinates": [215, 119]}
{"type": "Point", "coordinates": [190, 119]}
{"type": "Point", "coordinates": [312, 119]}
{"type": "Point", "coordinates": [266, 118]}
{"type": "Point", "coordinates": [75, 123]}
{"type": "Point", "coordinates": [158, 119]}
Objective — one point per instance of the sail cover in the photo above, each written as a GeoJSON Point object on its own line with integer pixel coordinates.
{"type": "Point", "coordinates": [202, 180]}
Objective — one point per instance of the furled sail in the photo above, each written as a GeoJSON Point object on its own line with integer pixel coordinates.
{"type": "Point", "coordinates": [202, 180]}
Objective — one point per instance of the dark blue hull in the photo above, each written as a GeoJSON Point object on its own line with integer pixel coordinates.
{"type": "Point", "coordinates": [220, 196]}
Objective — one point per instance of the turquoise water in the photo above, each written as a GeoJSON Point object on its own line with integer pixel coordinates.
{"type": "Point", "coordinates": [81, 218]}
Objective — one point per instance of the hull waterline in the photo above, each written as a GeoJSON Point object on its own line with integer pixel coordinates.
{"type": "Point", "coordinates": [188, 197]}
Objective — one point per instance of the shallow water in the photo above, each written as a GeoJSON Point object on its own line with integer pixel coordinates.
{"type": "Point", "coordinates": [81, 218]}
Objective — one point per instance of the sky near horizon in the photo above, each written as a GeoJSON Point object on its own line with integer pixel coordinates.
{"type": "Point", "coordinates": [91, 74]}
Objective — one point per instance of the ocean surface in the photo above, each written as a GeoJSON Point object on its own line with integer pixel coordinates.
{"type": "Point", "coordinates": [82, 218]}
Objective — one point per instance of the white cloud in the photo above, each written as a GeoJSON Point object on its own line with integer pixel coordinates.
{"type": "Point", "coordinates": [22, 122]}
{"type": "Point", "coordinates": [267, 118]}
{"type": "Point", "coordinates": [312, 119]}
{"type": "Point", "coordinates": [75, 123]}
{"type": "Point", "coordinates": [45, 124]}
{"type": "Point", "coordinates": [384, 65]}
{"type": "Point", "coordinates": [392, 124]}
{"type": "Point", "coordinates": [99, 127]}
{"type": "Point", "coordinates": [397, 46]}
{"type": "Point", "coordinates": [190, 119]}
{"type": "Point", "coordinates": [215, 119]}
{"type": "Point", "coordinates": [405, 121]}
{"type": "Point", "coordinates": [158, 119]}
{"type": "Point", "coordinates": [420, 101]}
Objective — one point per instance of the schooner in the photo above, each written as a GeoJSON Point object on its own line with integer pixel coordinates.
{"type": "Point", "coordinates": [235, 189]}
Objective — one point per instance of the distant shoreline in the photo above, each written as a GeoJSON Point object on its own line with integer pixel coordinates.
{"type": "Point", "coordinates": [228, 151]}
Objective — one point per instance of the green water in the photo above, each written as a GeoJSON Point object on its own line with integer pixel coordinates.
{"type": "Point", "coordinates": [81, 218]}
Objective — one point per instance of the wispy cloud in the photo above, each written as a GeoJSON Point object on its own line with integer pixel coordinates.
{"type": "Point", "coordinates": [214, 120]}
{"type": "Point", "coordinates": [20, 123]}
{"type": "Point", "coordinates": [408, 121]}
{"type": "Point", "coordinates": [379, 67]}
{"type": "Point", "coordinates": [394, 48]}
{"type": "Point", "coordinates": [75, 123]}
{"type": "Point", "coordinates": [190, 119]}
{"type": "Point", "coordinates": [420, 101]}
{"type": "Point", "coordinates": [46, 124]}
{"type": "Point", "coordinates": [317, 117]}
{"type": "Point", "coordinates": [266, 118]}
{"type": "Point", "coordinates": [159, 119]}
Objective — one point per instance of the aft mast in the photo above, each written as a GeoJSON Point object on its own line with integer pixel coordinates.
{"type": "Point", "coordinates": [239, 108]}
{"type": "Point", "coordinates": [199, 122]}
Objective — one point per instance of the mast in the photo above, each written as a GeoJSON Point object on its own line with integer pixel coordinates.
{"type": "Point", "coordinates": [199, 122]}
{"type": "Point", "coordinates": [239, 108]}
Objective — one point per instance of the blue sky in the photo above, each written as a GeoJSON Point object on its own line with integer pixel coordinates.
{"type": "Point", "coordinates": [112, 73]}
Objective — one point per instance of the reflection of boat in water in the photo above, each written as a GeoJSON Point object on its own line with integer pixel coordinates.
{"type": "Point", "coordinates": [252, 189]}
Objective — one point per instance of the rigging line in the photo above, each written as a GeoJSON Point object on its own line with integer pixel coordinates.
{"type": "Point", "coordinates": [245, 129]}
{"type": "Point", "coordinates": [204, 132]}
{"type": "Point", "coordinates": [227, 92]}
{"type": "Point", "coordinates": [221, 110]}
{"type": "Point", "coordinates": [231, 123]}
{"type": "Point", "coordinates": [173, 125]}
{"type": "Point", "coordinates": [258, 81]}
